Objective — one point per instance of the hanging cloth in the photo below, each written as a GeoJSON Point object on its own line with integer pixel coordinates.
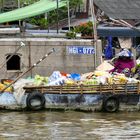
{"type": "Point", "coordinates": [108, 49]}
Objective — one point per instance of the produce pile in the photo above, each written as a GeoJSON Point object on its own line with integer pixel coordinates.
{"type": "Point", "coordinates": [91, 78]}
{"type": "Point", "coordinates": [58, 78]}
{"type": "Point", "coordinates": [4, 83]}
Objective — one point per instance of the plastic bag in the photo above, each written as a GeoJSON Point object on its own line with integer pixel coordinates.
{"type": "Point", "coordinates": [59, 81]}
{"type": "Point", "coordinates": [55, 75]}
{"type": "Point", "coordinates": [75, 76]}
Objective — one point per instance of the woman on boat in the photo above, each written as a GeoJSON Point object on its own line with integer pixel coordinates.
{"type": "Point", "coordinates": [124, 63]}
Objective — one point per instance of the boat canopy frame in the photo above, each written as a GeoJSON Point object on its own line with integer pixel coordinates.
{"type": "Point", "coordinates": [40, 7]}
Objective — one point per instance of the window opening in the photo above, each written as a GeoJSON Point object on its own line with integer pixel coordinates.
{"type": "Point", "coordinates": [13, 63]}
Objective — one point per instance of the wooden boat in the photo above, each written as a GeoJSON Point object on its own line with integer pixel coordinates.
{"type": "Point", "coordinates": [83, 97]}
{"type": "Point", "coordinates": [108, 97]}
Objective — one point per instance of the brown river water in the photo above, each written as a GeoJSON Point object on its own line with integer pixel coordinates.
{"type": "Point", "coordinates": [45, 125]}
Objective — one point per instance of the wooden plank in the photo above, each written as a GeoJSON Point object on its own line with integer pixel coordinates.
{"type": "Point", "coordinates": [91, 89]}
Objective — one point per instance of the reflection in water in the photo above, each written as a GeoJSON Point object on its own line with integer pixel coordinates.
{"type": "Point", "coordinates": [69, 126]}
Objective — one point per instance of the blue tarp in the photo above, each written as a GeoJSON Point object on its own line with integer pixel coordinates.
{"type": "Point", "coordinates": [108, 49]}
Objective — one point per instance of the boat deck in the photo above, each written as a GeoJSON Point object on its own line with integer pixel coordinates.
{"type": "Point", "coordinates": [128, 88]}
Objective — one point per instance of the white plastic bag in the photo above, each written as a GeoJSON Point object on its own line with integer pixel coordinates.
{"type": "Point", "coordinates": [55, 75]}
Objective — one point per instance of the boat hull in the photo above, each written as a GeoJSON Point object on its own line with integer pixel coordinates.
{"type": "Point", "coordinates": [81, 102]}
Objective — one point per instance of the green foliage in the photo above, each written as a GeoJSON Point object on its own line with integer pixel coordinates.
{"type": "Point", "coordinates": [41, 21]}
{"type": "Point", "coordinates": [52, 15]}
{"type": "Point", "coordinates": [85, 29]}
{"type": "Point", "coordinates": [71, 34]}
{"type": "Point", "coordinates": [138, 65]}
{"type": "Point", "coordinates": [90, 82]}
{"type": "Point", "coordinates": [75, 3]}
{"type": "Point", "coordinates": [27, 2]}
{"type": "Point", "coordinates": [63, 12]}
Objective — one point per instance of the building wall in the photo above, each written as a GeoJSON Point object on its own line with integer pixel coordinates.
{"type": "Point", "coordinates": [61, 60]}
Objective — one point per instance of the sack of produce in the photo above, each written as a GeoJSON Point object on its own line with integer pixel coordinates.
{"type": "Point", "coordinates": [105, 66]}
{"type": "Point", "coordinates": [40, 80]}
{"type": "Point", "coordinates": [102, 79]}
{"type": "Point", "coordinates": [121, 78]}
{"type": "Point", "coordinates": [117, 79]}
{"type": "Point", "coordinates": [101, 73]}
{"type": "Point", "coordinates": [69, 82]}
{"type": "Point", "coordinates": [87, 75]}
{"type": "Point", "coordinates": [90, 82]}
{"type": "Point", "coordinates": [6, 81]}
{"type": "Point", "coordinates": [9, 89]}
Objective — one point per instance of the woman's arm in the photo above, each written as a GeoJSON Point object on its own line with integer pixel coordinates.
{"type": "Point", "coordinates": [116, 64]}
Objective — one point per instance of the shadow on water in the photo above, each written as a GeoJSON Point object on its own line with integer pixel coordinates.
{"type": "Point", "coordinates": [69, 125]}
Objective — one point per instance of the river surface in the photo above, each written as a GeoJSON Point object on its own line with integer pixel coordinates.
{"type": "Point", "coordinates": [69, 126]}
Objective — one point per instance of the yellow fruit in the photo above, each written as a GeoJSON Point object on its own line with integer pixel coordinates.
{"type": "Point", "coordinates": [9, 89]}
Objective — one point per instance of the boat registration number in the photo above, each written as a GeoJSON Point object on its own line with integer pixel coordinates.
{"type": "Point", "coordinates": [80, 50]}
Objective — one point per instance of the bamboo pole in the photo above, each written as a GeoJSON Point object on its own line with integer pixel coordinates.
{"type": "Point", "coordinates": [68, 5]}
{"type": "Point", "coordinates": [94, 30]}
{"type": "Point", "coordinates": [57, 4]}
{"type": "Point", "coordinates": [124, 23]}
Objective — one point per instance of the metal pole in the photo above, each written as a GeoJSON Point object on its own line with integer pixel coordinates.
{"type": "Point", "coordinates": [48, 17]}
{"type": "Point", "coordinates": [68, 4]}
{"type": "Point", "coordinates": [2, 5]}
{"type": "Point", "coordinates": [57, 16]}
{"type": "Point", "coordinates": [30, 63]}
{"type": "Point", "coordinates": [87, 7]}
{"type": "Point", "coordinates": [19, 7]}
{"type": "Point", "coordinates": [94, 30]}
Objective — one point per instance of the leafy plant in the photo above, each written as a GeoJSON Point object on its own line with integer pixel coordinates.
{"type": "Point", "coordinates": [27, 2]}
{"type": "Point", "coordinates": [86, 29]}
{"type": "Point", "coordinates": [75, 3]}
{"type": "Point", "coordinates": [40, 21]}
{"type": "Point", "coordinates": [52, 15]}
{"type": "Point", "coordinates": [43, 23]}
{"type": "Point", "coordinates": [71, 34]}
